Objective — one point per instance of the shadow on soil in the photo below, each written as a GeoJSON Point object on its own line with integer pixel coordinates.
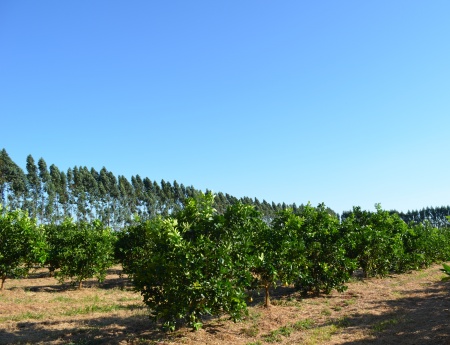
{"type": "Point", "coordinates": [101, 330]}
{"type": "Point", "coordinates": [415, 320]}
{"type": "Point", "coordinates": [120, 282]}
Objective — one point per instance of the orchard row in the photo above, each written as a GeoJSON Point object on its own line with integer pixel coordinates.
{"type": "Point", "coordinates": [198, 262]}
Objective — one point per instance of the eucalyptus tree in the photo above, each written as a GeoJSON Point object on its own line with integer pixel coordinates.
{"type": "Point", "coordinates": [183, 192]}
{"type": "Point", "coordinates": [158, 197]}
{"type": "Point", "coordinates": [104, 197]}
{"type": "Point", "coordinates": [64, 196]}
{"type": "Point", "coordinates": [127, 200]}
{"type": "Point", "coordinates": [48, 194]}
{"type": "Point", "coordinates": [267, 211]}
{"type": "Point", "coordinates": [5, 174]}
{"type": "Point", "coordinates": [12, 181]}
{"type": "Point", "coordinates": [178, 196]}
{"type": "Point", "coordinates": [91, 192]}
{"type": "Point", "coordinates": [17, 198]}
{"type": "Point", "coordinates": [55, 179]}
{"type": "Point", "coordinates": [191, 192]}
{"type": "Point", "coordinates": [78, 193]}
{"type": "Point", "coordinates": [139, 195]}
{"type": "Point", "coordinates": [33, 185]}
{"type": "Point", "coordinates": [93, 186]}
{"type": "Point", "coordinates": [109, 194]}
{"type": "Point", "coordinates": [167, 197]}
{"type": "Point", "coordinates": [436, 216]}
{"type": "Point", "coordinates": [114, 193]}
{"type": "Point", "coordinates": [231, 199]}
{"type": "Point", "coordinates": [71, 197]}
{"type": "Point", "coordinates": [150, 198]}
{"type": "Point", "coordinates": [220, 203]}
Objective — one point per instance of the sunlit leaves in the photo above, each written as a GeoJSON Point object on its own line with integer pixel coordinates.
{"type": "Point", "coordinates": [22, 244]}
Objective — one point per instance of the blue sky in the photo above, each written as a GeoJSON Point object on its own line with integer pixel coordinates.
{"type": "Point", "coordinates": [341, 102]}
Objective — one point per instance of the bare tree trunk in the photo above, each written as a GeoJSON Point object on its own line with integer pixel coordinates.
{"type": "Point", "coordinates": [267, 298]}
{"type": "Point", "coordinates": [3, 282]}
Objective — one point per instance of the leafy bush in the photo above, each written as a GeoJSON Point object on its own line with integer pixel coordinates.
{"type": "Point", "coordinates": [374, 240]}
{"type": "Point", "coordinates": [131, 246]}
{"type": "Point", "coordinates": [280, 252]}
{"type": "Point", "coordinates": [85, 250]}
{"type": "Point", "coordinates": [446, 269]}
{"type": "Point", "coordinates": [22, 244]}
{"type": "Point", "coordinates": [327, 265]}
{"type": "Point", "coordinates": [195, 263]}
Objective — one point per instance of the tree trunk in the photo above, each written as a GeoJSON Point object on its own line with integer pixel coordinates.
{"type": "Point", "coordinates": [267, 298]}
{"type": "Point", "coordinates": [80, 285]}
{"type": "Point", "coordinates": [3, 282]}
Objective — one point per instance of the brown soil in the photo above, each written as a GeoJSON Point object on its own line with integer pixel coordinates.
{"type": "Point", "coordinates": [412, 308]}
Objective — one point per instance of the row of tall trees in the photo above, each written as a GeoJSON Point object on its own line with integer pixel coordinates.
{"type": "Point", "coordinates": [50, 195]}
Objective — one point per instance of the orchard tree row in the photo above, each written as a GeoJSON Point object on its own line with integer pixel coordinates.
{"type": "Point", "coordinates": [197, 261]}
{"type": "Point", "coordinates": [73, 251]}
{"type": "Point", "coordinates": [51, 195]}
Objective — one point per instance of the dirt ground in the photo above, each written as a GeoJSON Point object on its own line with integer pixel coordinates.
{"type": "Point", "coordinates": [411, 308]}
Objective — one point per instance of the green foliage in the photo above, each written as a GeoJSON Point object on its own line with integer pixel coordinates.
{"type": "Point", "coordinates": [195, 263]}
{"type": "Point", "coordinates": [56, 240]}
{"type": "Point", "coordinates": [132, 244]}
{"type": "Point", "coordinates": [446, 269]}
{"type": "Point", "coordinates": [327, 266]}
{"type": "Point", "coordinates": [375, 240]}
{"type": "Point", "coordinates": [382, 242]}
{"type": "Point", "coordinates": [22, 244]}
{"type": "Point", "coordinates": [82, 250]}
{"type": "Point", "coordinates": [425, 244]}
{"type": "Point", "coordinates": [280, 252]}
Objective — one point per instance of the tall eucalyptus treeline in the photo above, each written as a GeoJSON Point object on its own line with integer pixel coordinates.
{"type": "Point", "coordinates": [51, 195]}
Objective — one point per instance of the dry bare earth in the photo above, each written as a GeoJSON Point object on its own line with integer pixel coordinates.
{"type": "Point", "coordinates": [411, 308]}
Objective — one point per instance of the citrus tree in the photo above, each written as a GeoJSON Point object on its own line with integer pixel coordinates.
{"type": "Point", "coordinates": [425, 244]}
{"type": "Point", "coordinates": [132, 244]}
{"type": "Point", "coordinates": [327, 266]}
{"type": "Point", "coordinates": [22, 244]}
{"type": "Point", "coordinates": [195, 263]}
{"type": "Point", "coordinates": [375, 240]}
{"type": "Point", "coordinates": [280, 252]}
{"type": "Point", "coordinates": [86, 251]}
{"type": "Point", "coordinates": [56, 239]}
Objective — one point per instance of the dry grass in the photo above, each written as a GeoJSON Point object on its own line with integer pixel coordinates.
{"type": "Point", "coordinates": [411, 308]}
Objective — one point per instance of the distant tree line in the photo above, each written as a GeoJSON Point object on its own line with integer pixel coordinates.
{"type": "Point", "coordinates": [51, 195]}
{"type": "Point", "coordinates": [435, 216]}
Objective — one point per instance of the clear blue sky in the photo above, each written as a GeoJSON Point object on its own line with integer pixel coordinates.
{"type": "Point", "coordinates": [341, 102]}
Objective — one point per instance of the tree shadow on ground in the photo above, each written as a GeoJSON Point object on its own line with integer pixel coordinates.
{"type": "Point", "coordinates": [119, 282]}
{"type": "Point", "coordinates": [105, 330]}
{"type": "Point", "coordinates": [99, 330]}
{"type": "Point", "coordinates": [422, 320]}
